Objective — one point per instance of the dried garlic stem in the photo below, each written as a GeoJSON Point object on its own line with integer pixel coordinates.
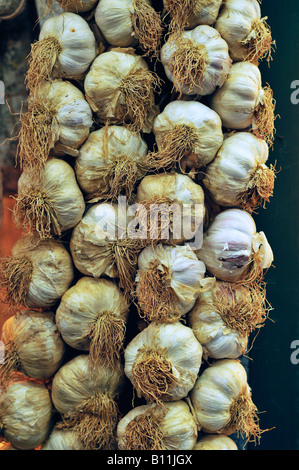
{"type": "Point", "coordinates": [259, 43]}
{"type": "Point", "coordinates": [144, 433]}
{"type": "Point", "coordinates": [264, 117]}
{"type": "Point", "coordinates": [260, 188]}
{"type": "Point", "coordinates": [147, 27]}
{"type": "Point", "coordinates": [41, 61]}
{"type": "Point", "coordinates": [15, 279]}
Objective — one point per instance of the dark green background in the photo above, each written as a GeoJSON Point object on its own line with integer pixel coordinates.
{"type": "Point", "coordinates": [273, 378]}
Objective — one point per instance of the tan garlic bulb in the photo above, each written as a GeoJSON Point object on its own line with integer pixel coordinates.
{"type": "Point", "coordinates": [127, 23]}
{"type": "Point", "coordinates": [36, 274]}
{"type": "Point", "coordinates": [188, 134]}
{"type": "Point", "coordinates": [77, 6]}
{"type": "Point", "coordinates": [233, 251]}
{"type": "Point", "coordinates": [197, 62]}
{"type": "Point", "coordinates": [51, 205]}
{"type": "Point", "coordinates": [120, 89]}
{"type": "Point", "coordinates": [32, 345]}
{"type": "Point", "coordinates": [215, 442]}
{"type": "Point", "coordinates": [247, 34]}
{"type": "Point", "coordinates": [239, 176]}
{"type": "Point", "coordinates": [25, 413]}
{"type": "Point", "coordinates": [170, 206]}
{"type": "Point", "coordinates": [170, 426]}
{"type": "Point", "coordinates": [242, 103]}
{"type": "Point", "coordinates": [87, 401]}
{"type": "Point", "coordinates": [224, 316]}
{"type": "Point", "coordinates": [168, 282]}
{"type": "Point", "coordinates": [222, 402]}
{"type": "Point", "coordinates": [186, 14]}
{"type": "Point", "coordinates": [110, 163]}
{"type": "Point", "coordinates": [57, 122]}
{"type": "Point", "coordinates": [65, 49]}
{"type": "Point", "coordinates": [62, 439]}
{"type": "Point", "coordinates": [163, 361]}
{"type": "Point", "coordinates": [92, 316]}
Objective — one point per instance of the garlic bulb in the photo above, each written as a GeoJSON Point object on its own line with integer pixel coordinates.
{"type": "Point", "coordinates": [62, 439]}
{"type": "Point", "coordinates": [238, 176]}
{"type": "Point", "coordinates": [222, 403]}
{"type": "Point", "coordinates": [243, 103]}
{"type": "Point", "coordinates": [65, 49]}
{"type": "Point", "coordinates": [77, 6]}
{"type": "Point", "coordinates": [233, 251]}
{"type": "Point", "coordinates": [110, 163]}
{"type": "Point", "coordinates": [32, 344]}
{"type": "Point", "coordinates": [215, 442]}
{"type": "Point", "coordinates": [187, 134]}
{"type": "Point", "coordinates": [127, 23]}
{"type": "Point", "coordinates": [170, 426]}
{"type": "Point", "coordinates": [37, 273]}
{"type": "Point", "coordinates": [120, 89]}
{"type": "Point", "coordinates": [25, 413]}
{"type": "Point", "coordinates": [163, 361]}
{"type": "Point", "coordinates": [168, 282]}
{"type": "Point", "coordinates": [170, 206]}
{"type": "Point", "coordinates": [86, 400]}
{"type": "Point", "coordinates": [186, 14]}
{"type": "Point", "coordinates": [51, 205]}
{"type": "Point", "coordinates": [247, 34]}
{"type": "Point", "coordinates": [57, 122]}
{"type": "Point", "coordinates": [92, 317]}
{"type": "Point", "coordinates": [224, 316]}
{"type": "Point", "coordinates": [197, 61]}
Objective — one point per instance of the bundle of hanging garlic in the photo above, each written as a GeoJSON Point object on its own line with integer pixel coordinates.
{"type": "Point", "coordinates": [127, 23]}
{"type": "Point", "coordinates": [52, 204]}
{"type": "Point", "coordinates": [233, 251]}
{"type": "Point", "coordinates": [110, 163]}
{"type": "Point", "coordinates": [222, 402]}
{"type": "Point", "coordinates": [65, 49]}
{"type": "Point", "coordinates": [188, 134]}
{"type": "Point", "coordinates": [25, 413]}
{"type": "Point", "coordinates": [32, 345]}
{"type": "Point", "coordinates": [62, 439]}
{"type": "Point", "coordinates": [238, 176]}
{"type": "Point", "coordinates": [86, 399]}
{"type": "Point", "coordinates": [162, 362]}
{"type": "Point", "coordinates": [168, 282]}
{"type": "Point", "coordinates": [215, 442]}
{"type": "Point", "coordinates": [242, 103]}
{"type": "Point", "coordinates": [57, 122]}
{"type": "Point", "coordinates": [186, 14]}
{"type": "Point", "coordinates": [197, 62]}
{"type": "Point", "coordinates": [120, 88]}
{"type": "Point", "coordinates": [37, 273]}
{"type": "Point", "coordinates": [170, 206]}
{"type": "Point", "coordinates": [76, 6]}
{"type": "Point", "coordinates": [247, 34]}
{"type": "Point", "coordinates": [170, 426]}
{"type": "Point", "coordinates": [224, 316]}
{"type": "Point", "coordinates": [92, 316]}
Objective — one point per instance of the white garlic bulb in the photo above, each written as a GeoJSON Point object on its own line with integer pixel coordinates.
{"type": "Point", "coordinates": [163, 362]}
{"type": "Point", "coordinates": [62, 439]}
{"type": "Point", "coordinates": [57, 122]}
{"type": "Point", "coordinates": [232, 250]}
{"type": "Point", "coordinates": [170, 426]}
{"type": "Point", "coordinates": [25, 413]}
{"type": "Point", "coordinates": [187, 133]}
{"type": "Point", "coordinates": [238, 176]}
{"type": "Point", "coordinates": [127, 23]}
{"type": "Point", "coordinates": [110, 163]}
{"type": "Point", "coordinates": [37, 273]}
{"type": "Point", "coordinates": [242, 103]}
{"type": "Point", "coordinates": [92, 317]}
{"type": "Point", "coordinates": [196, 62]}
{"type": "Point", "coordinates": [247, 34]}
{"type": "Point", "coordinates": [86, 399]}
{"type": "Point", "coordinates": [168, 282]}
{"type": "Point", "coordinates": [215, 442]}
{"type": "Point", "coordinates": [120, 89]}
{"type": "Point", "coordinates": [222, 403]}
{"type": "Point", "coordinates": [51, 205]}
{"type": "Point", "coordinates": [77, 6]}
{"type": "Point", "coordinates": [186, 14]}
{"type": "Point", "coordinates": [32, 345]}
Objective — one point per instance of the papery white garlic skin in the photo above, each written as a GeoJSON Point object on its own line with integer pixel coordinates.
{"type": "Point", "coordinates": [205, 123]}
{"type": "Point", "coordinates": [77, 43]}
{"type": "Point", "coordinates": [180, 348]}
{"type": "Point", "coordinates": [62, 439]}
{"type": "Point", "coordinates": [77, 6]}
{"type": "Point", "coordinates": [177, 425]}
{"type": "Point", "coordinates": [236, 162]}
{"type": "Point", "coordinates": [205, 13]}
{"type": "Point", "coordinates": [215, 442]}
{"type": "Point", "coordinates": [217, 59]}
